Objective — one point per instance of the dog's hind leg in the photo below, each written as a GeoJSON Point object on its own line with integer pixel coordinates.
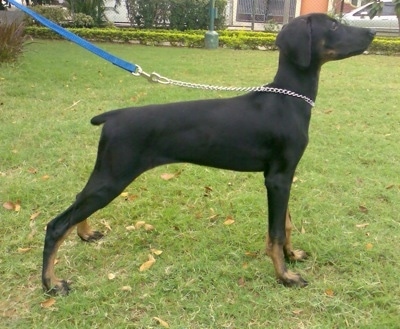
{"type": "Point", "coordinates": [105, 184]}
{"type": "Point", "coordinates": [278, 188]}
{"type": "Point", "coordinates": [86, 233]}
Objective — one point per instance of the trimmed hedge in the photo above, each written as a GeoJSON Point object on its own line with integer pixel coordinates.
{"type": "Point", "coordinates": [194, 38]}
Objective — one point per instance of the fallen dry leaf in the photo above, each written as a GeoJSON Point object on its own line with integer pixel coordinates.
{"type": "Point", "coordinates": [213, 217]}
{"type": "Point", "coordinates": [127, 196]}
{"type": "Point", "coordinates": [111, 276]}
{"type": "Point", "coordinates": [207, 190]}
{"type": "Point", "coordinates": [389, 186]}
{"type": "Point", "coordinates": [329, 292]}
{"type": "Point", "coordinates": [139, 224]}
{"type": "Point", "coordinates": [295, 179]}
{"type": "Point", "coordinates": [32, 225]}
{"type": "Point", "coordinates": [17, 206]}
{"type": "Point", "coordinates": [229, 221]}
{"type": "Point", "coordinates": [362, 225]}
{"type": "Point", "coordinates": [126, 288]}
{"type": "Point", "coordinates": [302, 231]}
{"type": "Point", "coordinates": [251, 254]}
{"type": "Point", "coordinates": [9, 205]}
{"type": "Point", "coordinates": [167, 176]}
{"type": "Point", "coordinates": [131, 197]}
{"type": "Point", "coordinates": [242, 282]}
{"type": "Point", "coordinates": [156, 251]}
{"type": "Point", "coordinates": [148, 227]}
{"type": "Point", "coordinates": [48, 303]}
{"type": "Point", "coordinates": [130, 228]}
{"type": "Point", "coordinates": [45, 177]}
{"type": "Point", "coordinates": [22, 250]}
{"type": "Point", "coordinates": [106, 224]}
{"type": "Point", "coordinates": [363, 209]}
{"type": "Point", "coordinates": [35, 215]}
{"type": "Point", "coordinates": [369, 246]}
{"type": "Point", "coordinates": [161, 322]}
{"type": "Point", "coordinates": [32, 171]}
{"type": "Point", "coordinates": [297, 312]}
{"type": "Point", "coordinates": [146, 265]}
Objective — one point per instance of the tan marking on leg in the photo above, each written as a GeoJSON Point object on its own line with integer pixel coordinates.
{"type": "Point", "coordinates": [290, 253]}
{"type": "Point", "coordinates": [53, 282]}
{"type": "Point", "coordinates": [83, 229]}
{"type": "Point", "coordinates": [288, 230]}
{"type": "Point", "coordinates": [86, 233]}
{"type": "Point", "coordinates": [288, 278]}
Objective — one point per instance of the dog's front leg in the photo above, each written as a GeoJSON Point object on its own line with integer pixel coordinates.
{"type": "Point", "coordinates": [278, 190]}
{"type": "Point", "coordinates": [290, 253]}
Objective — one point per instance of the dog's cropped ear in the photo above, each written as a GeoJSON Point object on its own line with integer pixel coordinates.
{"type": "Point", "coordinates": [295, 41]}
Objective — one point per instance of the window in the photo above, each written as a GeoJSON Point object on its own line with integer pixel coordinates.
{"type": "Point", "coordinates": [264, 10]}
{"type": "Point", "coordinates": [246, 7]}
{"type": "Point", "coordinates": [388, 9]}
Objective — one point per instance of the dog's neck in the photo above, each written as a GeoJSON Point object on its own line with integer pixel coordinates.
{"type": "Point", "coordinates": [300, 80]}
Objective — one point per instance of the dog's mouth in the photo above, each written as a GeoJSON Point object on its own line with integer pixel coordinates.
{"type": "Point", "coordinates": [356, 52]}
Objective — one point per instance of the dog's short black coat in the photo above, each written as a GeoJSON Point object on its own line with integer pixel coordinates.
{"type": "Point", "coordinates": [258, 131]}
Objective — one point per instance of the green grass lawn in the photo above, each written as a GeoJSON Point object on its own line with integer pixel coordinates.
{"type": "Point", "coordinates": [345, 201]}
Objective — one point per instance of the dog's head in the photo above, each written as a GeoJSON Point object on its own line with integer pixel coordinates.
{"type": "Point", "coordinates": [318, 38]}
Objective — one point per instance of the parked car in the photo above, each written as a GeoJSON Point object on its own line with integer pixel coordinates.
{"type": "Point", "coordinates": [385, 22]}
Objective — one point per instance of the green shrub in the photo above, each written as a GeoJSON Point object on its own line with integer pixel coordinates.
{"type": "Point", "coordinates": [58, 15]}
{"type": "Point", "coordinates": [195, 38]}
{"type": "Point", "coordinates": [81, 20]}
{"type": "Point", "coordinates": [12, 40]}
{"type": "Point", "coordinates": [385, 45]}
{"type": "Point", "coordinates": [177, 14]}
{"type": "Point", "coordinates": [93, 8]}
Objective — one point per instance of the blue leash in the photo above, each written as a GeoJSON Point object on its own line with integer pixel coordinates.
{"type": "Point", "coordinates": [132, 68]}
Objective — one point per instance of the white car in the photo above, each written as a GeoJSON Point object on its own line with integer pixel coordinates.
{"type": "Point", "coordinates": [385, 22]}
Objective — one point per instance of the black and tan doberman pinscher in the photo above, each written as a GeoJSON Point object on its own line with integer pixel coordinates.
{"type": "Point", "coordinates": [256, 132]}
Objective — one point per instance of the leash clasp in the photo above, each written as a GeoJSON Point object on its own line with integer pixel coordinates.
{"type": "Point", "coordinates": [138, 72]}
{"type": "Point", "coordinates": [155, 77]}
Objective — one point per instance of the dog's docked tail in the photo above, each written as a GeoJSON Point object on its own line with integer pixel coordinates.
{"type": "Point", "coordinates": [101, 118]}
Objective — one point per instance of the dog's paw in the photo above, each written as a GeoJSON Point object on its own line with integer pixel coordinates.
{"type": "Point", "coordinates": [61, 287]}
{"type": "Point", "coordinates": [91, 236]}
{"type": "Point", "coordinates": [291, 279]}
{"type": "Point", "coordinates": [296, 255]}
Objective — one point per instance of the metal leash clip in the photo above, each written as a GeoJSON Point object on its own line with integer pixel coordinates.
{"type": "Point", "coordinates": [155, 77]}
{"type": "Point", "coordinates": [138, 71]}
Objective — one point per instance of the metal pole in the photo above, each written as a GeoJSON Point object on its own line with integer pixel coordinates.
{"type": "Point", "coordinates": [253, 15]}
{"type": "Point", "coordinates": [286, 11]}
{"type": "Point", "coordinates": [212, 15]}
{"type": "Point", "coordinates": [211, 37]}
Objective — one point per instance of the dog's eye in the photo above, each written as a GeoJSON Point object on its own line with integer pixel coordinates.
{"type": "Point", "coordinates": [334, 26]}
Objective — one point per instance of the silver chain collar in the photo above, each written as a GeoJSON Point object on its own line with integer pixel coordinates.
{"type": "Point", "coordinates": [155, 77]}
